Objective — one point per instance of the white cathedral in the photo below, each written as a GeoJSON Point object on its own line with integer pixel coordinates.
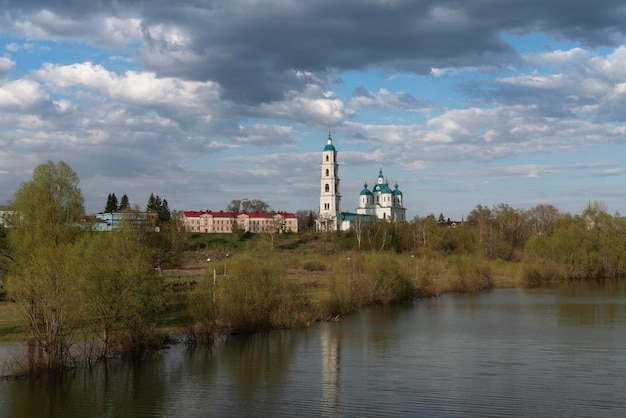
{"type": "Point", "coordinates": [381, 203]}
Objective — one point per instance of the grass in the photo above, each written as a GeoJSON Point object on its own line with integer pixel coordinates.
{"type": "Point", "coordinates": [12, 324]}
{"type": "Point", "coordinates": [312, 265]}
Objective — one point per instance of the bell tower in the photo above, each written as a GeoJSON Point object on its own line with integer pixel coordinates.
{"type": "Point", "coordinates": [330, 198]}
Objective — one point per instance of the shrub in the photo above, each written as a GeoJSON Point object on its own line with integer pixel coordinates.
{"type": "Point", "coordinates": [255, 295]}
{"type": "Point", "coordinates": [377, 279]}
{"type": "Point", "coordinates": [474, 274]}
{"type": "Point", "coordinates": [315, 265]}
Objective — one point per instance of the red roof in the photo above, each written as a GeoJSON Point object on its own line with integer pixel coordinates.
{"type": "Point", "coordinates": [222, 214]}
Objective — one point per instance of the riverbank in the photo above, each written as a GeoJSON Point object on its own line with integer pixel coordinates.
{"type": "Point", "coordinates": [316, 277]}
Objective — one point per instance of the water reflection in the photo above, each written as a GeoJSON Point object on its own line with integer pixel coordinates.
{"type": "Point", "coordinates": [513, 352]}
{"type": "Point", "coordinates": [331, 366]}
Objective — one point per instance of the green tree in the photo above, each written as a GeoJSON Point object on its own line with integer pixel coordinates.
{"type": "Point", "coordinates": [124, 203]}
{"type": "Point", "coordinates": [111, 205]}
{"type": "Point", "coordinates": [158, 208]}
{"type": "Point", "coordinates": [119, 286]}
{"type": "Point", "coordinates": [234, 206]}
{"type": "Point", "coordinates": [254, 205]}
{"type": "Point", "coordinates": [39, 279]}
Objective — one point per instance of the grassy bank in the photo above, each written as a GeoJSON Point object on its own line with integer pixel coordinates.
{"type": "Point", "coordinates": [250, 285]}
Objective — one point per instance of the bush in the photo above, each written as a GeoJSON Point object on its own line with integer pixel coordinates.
{"type": "Point", "coordinates": [315, 265]}
{"type": "Point", "coordinates": [474, 274]}
{"type": "Point", "coordinates": [543, 271]}
{"type": "Point", "coordinates": [255, 295]}
{"type": "Point", "coordinates": [377, 279]}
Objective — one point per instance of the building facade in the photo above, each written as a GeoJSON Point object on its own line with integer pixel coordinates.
{"type": "Point", "coordinates": [210, 222]}
{"type": "Point", "coordinates": [381, 203]}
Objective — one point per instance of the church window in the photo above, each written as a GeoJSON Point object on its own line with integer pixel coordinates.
{"type": "Point", "coordinates": [327, 172]}
{"type": "Point", "coordinates": [327, 158]}
{"type": "Point", "coordinates": [326, 188]}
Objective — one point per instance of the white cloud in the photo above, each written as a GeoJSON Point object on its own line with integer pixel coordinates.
{"type": "Point", "coordinates": [312, 107]}
{"type": "Point", "coordinates": [22, 95]}
{"type": "Point", "coordinates": [6, 65]}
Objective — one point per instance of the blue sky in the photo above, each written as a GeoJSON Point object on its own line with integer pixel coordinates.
{"type": "Point", "coordinates": [202, 102]}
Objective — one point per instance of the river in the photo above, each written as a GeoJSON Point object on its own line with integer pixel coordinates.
{"type": "Point", "coordinates": [511, 352]}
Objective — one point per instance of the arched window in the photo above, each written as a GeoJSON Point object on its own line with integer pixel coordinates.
{"type": "Point", "coordinates": [327, 172]}
{"type": "Point", "coordinates": [326, 188]}
{"type": "Point", "coordinates": [327, 158]}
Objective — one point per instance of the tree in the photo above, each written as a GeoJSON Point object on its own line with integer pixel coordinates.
{"type": "Point", "coordinates": [119, 285]}
{"type": "Point", "coordinates": [234, 206]}
{"type": "Point", "coordinates": [158, 208]}
{"type": "Point", "coordinates": [39, 279]}
{"type": "Point", "coordinates": [164, 211]}
{"type": "Point", "coordinates": [247, 205]}
{"type": "Point", "coordinates": [124, 203]}
{"type": "Point", "coordinates": [541, 219]}
{"type": "Point", "coordinates": [111, 205]}
{"type": "Point", "coordinates": [306, 220]}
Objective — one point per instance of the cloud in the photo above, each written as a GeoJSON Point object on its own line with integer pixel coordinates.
{"type": "Point", "coordinates": [384, 99]}
{"type": "Point", "coordinates": [6, 65]}
{"type": "Point", "coordinates": [255, 51]}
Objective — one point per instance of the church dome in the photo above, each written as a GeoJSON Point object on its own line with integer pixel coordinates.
{"type": "Point", "coordinates": [397, 191]}
{"type": "Point", "coordinates": [365, 191]}
{"type": "Point", "coordinates": [382, 188]}
{"type": "Point", "coordinates": [329, 145]}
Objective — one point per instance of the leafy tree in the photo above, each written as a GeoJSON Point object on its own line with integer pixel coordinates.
{"type": "Point", "coordinates": [234, 206]}
{"type": "Point", "coordinates": [124, 203]}
{"type": "Point", "coordinates": [254, 205]}
{"type": "Point", "coordinates": [39, 279]}
{"type": "Point", "coordinates": [118, 283]}
{"type": "Point", "coordinates": [541, 219]}
{"type": "Point", "coordinates": [247, 205]}
{"type": "Point", "coordinates": [111, 205]}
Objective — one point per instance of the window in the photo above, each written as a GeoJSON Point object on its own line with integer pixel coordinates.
{"type": "Point", "coordinates": [326, 188]}
{"type": "Point", "coordinates": [327, 172]}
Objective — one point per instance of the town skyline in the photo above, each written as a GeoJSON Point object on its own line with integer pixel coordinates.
{"type": "Point", "coordinates": [461, 103]}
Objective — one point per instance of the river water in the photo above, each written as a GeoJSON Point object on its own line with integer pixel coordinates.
{"type": "Point", "coordinates": [511, 352]}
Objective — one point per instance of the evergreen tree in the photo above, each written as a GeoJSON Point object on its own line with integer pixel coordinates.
{"type": "Point", "coordinates": [158, 207]}
{"type": "Point", "coordinates": [111, 205]}
{"type": "Point", "coordinates": [124, 204]}
{"type": "Point", "coordinates": [164, 211]}
{"type": "Point", "coordinates": [152, 204]}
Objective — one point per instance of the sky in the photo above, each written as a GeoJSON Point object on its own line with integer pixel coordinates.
{"type": "Point", "coordinates": [201, 102]}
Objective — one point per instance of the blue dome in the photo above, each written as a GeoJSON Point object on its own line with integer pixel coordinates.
{"type": "Point", "coordinates": [397, 192]}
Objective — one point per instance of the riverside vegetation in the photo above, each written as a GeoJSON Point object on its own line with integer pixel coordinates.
{"type": "Point", "coordinates": [78, 295]}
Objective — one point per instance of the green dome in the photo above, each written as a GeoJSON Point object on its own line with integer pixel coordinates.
{"type": "Point", "coordinates": [365, 191]}
{"type": "Point", "coordinates": [396, 191]}
{"type": "Point", "coordinates": [329, 146]}
{"type": "Point", "coordinates": [382, 188]}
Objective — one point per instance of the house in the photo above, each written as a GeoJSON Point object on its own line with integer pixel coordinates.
{"type": "Point", "coordinates": [209, 222]}
{"type": "Point", "coordinates": [105, 221]}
